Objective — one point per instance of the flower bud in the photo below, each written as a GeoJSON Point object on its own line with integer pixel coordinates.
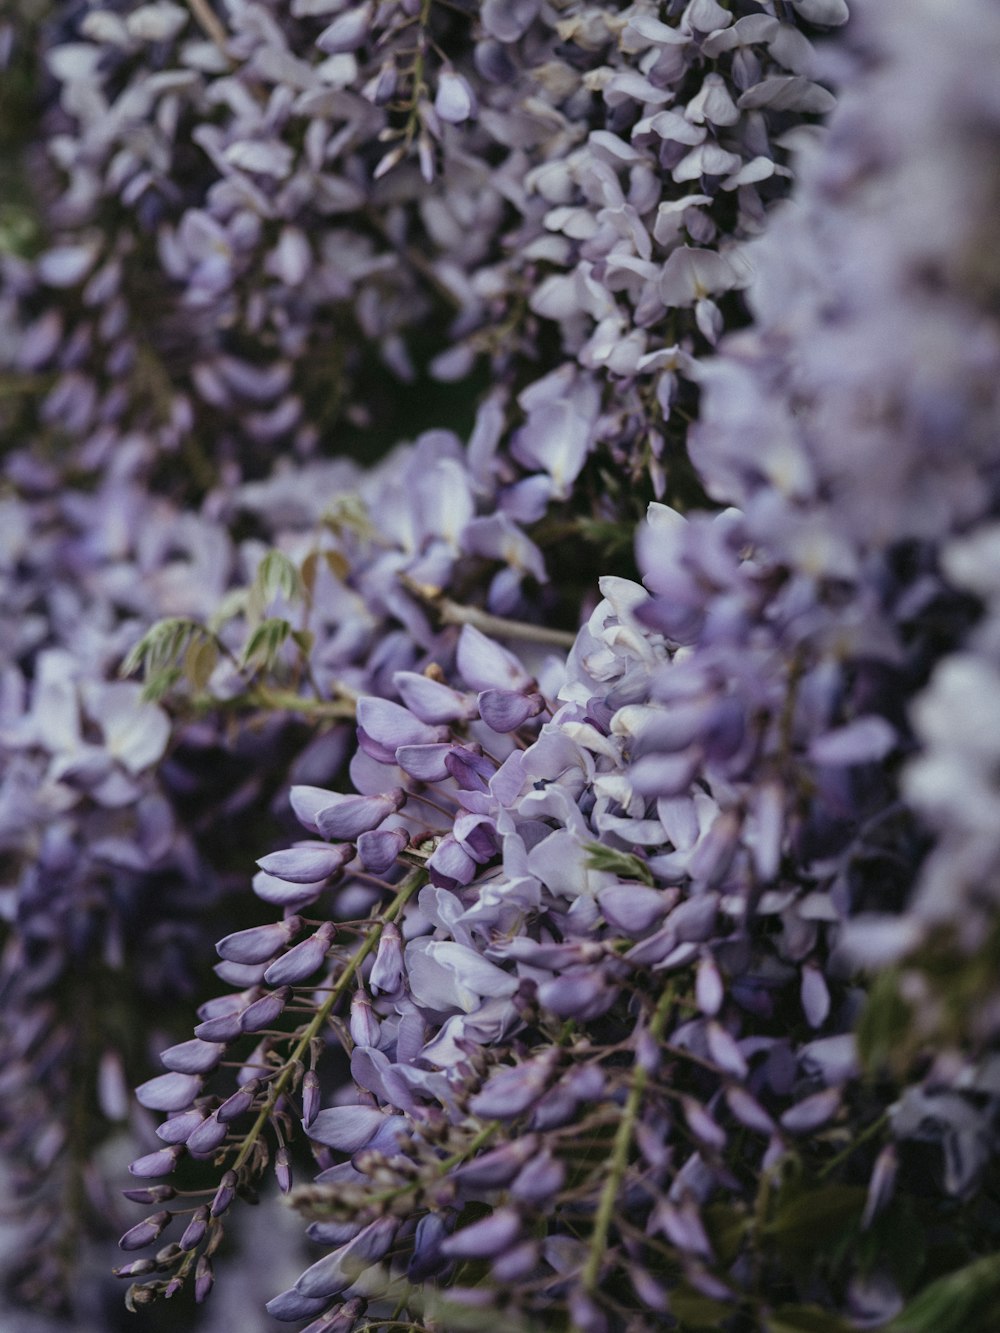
{"type": "Point", "coordinates": [145, 1232]}
{"type": "Point", "coordinates": [204, 1140]}
{"type": "Point", "coordinates": [310, 1097]}
{"type": "Point", "coordinates": [261, 943]}
{"type": "Point", "coordinates": [262, 1013]}
{"type": "Point", "coordinates": [364, 1026]}
{"type": "Point", "coordinates": [194, 1232]}
{"type": "Point", "coordinates": [203, 1279]}
{"type": "Point", "coordinates": [283, 1169]}
{"type": "Point", "coordinates": [239, 1103]}
{"type": "Point", "coordinates": [224, 1195]}
{"type": "Point", "coordinates": [303, 960]}
{"type": "Point", "coordinates": [159, 1163]}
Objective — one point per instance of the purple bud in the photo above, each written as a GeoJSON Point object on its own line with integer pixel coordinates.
{"type": "Point", "coordinates": [379, 848]}
{"type": "Point", "coordinates": [383, 726]}
{"type": "Point", "coordinates": [470, 769]}
{"type": "Point", "coordinates": [194, 1232]}
{"type": "Point", "coordinates": [748, 1111]}
{"type": "Point", "coordinates": [337, 1270]}
{"type": "Point", "coordinates": [145, 1232]}
{"type": "Point", "coordinates": [279, 893]}
{"type": "Point", "coordinates": [504, 711]}
{"type": "Point", "coordinates": [769, 812]}
{"type": "Point", "coordinates": [427, 1259]}
{"type": "Point", "coordinates": [220, 1030]}
{"type": "Point", "coordinates": [702, 1126]}
{"type": "Point", "coordinates": [581, 994]}
{"type": "Point", "coordinates": [812, 1112]}
{"type": "Point", "coordinates": [708, 988]}
{"type": "Point", "coordinates": [180, 1127]}
{"type": "Point", "coordinates": [454, 100]}
{"type": "Point", "coordinates": [203, 1279]}
{"type": "Point", "coordinates": [713, 855]}
{"type": "Point", "coordinates": [815, 996]}
{"type": "Point", "coordinates": [387, 971]}
{"type": "Point", "coordinates": [310, 1097]}
{"type": "Point", "coordinates": [224, 1195]}
{"type": "Point", "coordinates": [168, 1092]}
{"type": "Point", "coordinates": [516, 1263]}
{"type": "Point", "coordinates": [154, 1194]}
{"type": "Point", "coordinates": [263, 1012]}
{"type": "Point", "coordinates": [540, 1181]}
{"type": "Point", "coordinates": [291, 1305]}
{"type": "Point", "coordinates": [306, 863]}
{"type": "Point", "coordinates": [492, 1235]}
{"type": "Point", "coordinates": [364, 1026]}
{"type": "Point", "coordinates": [283, 1169]}
{"type": "Point", "coordinates": [683, 1227]}
{"type": "Point", "coordinates": [137, 1268]}
{"type": "Point", "coordinates": [261, 943]}
{"type": "Point", "coordinates": [191, 1057]}
{"type": "Point", "coordinates": [350, 816]}
{"type": "Point", "coordinates": [632, 908]}
{"type": "Point", "coordinates": [303, 960]}
{"type": "Point", "coordinates": [866, 740]}
{"type": "Point", "coordinates": [346, 1128]}
{"type": "Point", "coordinates": [426, 763]}
{"type": "Point", "coordinates": [348, 31]}
{"type": "Point", "coordinates": [484, 665]}
{"type": "Point", "coordinates": [510, 1092]}
{"type": "Point", "coordinates": [204, 1140]}
{"type": "Point", "coordinates": [450, 866]}
{"type": "Point", "coordinates": [586, 1316]}
{"type": "Point", "coordinates": [499, 1166]}
{"type": "Point", "coordinates": [239, 1103]}
{"type": "Point", "coordinates": [725, 1052]}
{"type": "Point", "coordinates": [432, 701]}
{"type": "Point", "coordinates": [478, 835]}
{"type": "Point", "coordinates": [245, 975]}
{"type": "Point", "coordinates": [155, 1163]}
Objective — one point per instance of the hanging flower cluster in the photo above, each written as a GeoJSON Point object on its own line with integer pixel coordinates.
{"type": "Point", "coordinates": [628, 959]}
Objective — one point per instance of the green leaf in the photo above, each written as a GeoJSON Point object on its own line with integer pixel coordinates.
{"type": "Point", "coordinates": [160, 684]}
{"type": "Point", "coordinates": [200, 660]}
{"type": "Point", "coordinates": [811, 1219]}
{"type": "Point", "coordinates": [162, 645]}
{"type": "Point", "coordinates": [961, 1302]}
{"type": "Point", "coordinates": [623, 864]}
{"type": "Point", "coordinates": [885, 1025]}
{"type": "Point", "coordinates": [265, 643]}
{"type": "Point", "coordinates": [276, 576]}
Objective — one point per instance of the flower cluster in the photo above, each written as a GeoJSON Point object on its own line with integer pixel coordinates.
{"type": "Point", "coordinates": [628, 958]}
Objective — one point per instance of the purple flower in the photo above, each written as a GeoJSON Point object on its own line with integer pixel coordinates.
{"type": "Point", "coordinates": [143, 1234]}
{"type": "Point", "coordinates": [303, 959]}
{"type": "Point", "coordinates": [259, 944]}
{"type": "Point", "coordinates": [169, 1092]}
{"type": "Point", "coordinates": [307, 862]}
{"type": "Point", "coordinates": [481, 1240]}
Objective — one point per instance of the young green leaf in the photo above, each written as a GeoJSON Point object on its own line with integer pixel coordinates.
{"type": "Point", "coordinates": [624, 864]}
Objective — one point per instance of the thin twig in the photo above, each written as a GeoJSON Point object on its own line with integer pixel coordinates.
{"type": "Point", "coordinates": [210, 25]}
{"type": "Point", "coordinates": [454, 613]}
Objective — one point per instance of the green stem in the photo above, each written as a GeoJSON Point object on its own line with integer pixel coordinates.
{"type": "Point", "coordinates": [868, 1132]}
{"type": "Point", "coordinates": [408, 888]}
{"type": "Point", "coordinates": [209, 24]}
{"type": "Point", "coordinates": [290, 702]}
{"type": "Point", "coordinates": [454, 613]}
{"type": "Point", "coordinates": [619, 1153]}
